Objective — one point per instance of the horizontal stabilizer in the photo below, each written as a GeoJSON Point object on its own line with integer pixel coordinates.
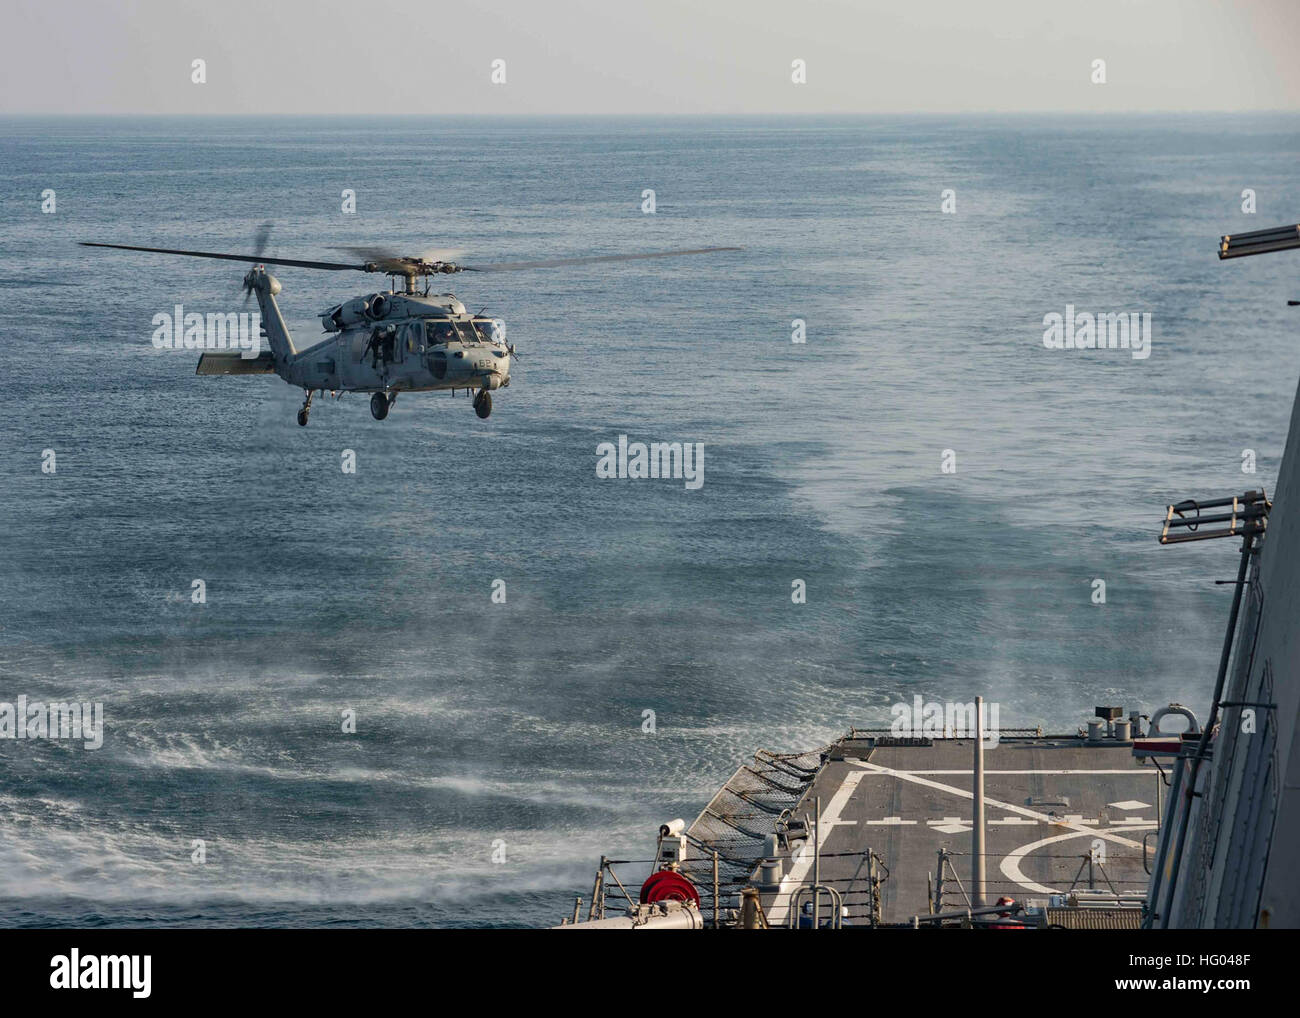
{"type": "Point", "coordinates": [236, 364]}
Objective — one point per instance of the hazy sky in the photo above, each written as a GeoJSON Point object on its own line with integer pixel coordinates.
{"type": "Point", "coordinates": [667, 56]}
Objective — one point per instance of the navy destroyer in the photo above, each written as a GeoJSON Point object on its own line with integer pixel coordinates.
{"type": "Point", "coordinates": [1137, 819]}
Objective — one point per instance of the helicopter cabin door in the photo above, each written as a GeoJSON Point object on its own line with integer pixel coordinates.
{"type": "Point", "coordinates": [410, 343]}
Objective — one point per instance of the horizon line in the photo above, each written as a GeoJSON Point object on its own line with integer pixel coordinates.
{"type": "Point", "coordinates": [690, 115]}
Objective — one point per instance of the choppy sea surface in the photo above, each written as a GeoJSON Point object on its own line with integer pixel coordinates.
{"type": "Point", "coordinates": [499, 748]}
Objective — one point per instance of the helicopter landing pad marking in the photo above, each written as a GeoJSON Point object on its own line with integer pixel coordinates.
{"type": "Point", "coordinates": [1011, 861]}
{"type": "Point", "coordinates": [1032, 783]}
{"type": "Point", "coordinates": [966, 793]}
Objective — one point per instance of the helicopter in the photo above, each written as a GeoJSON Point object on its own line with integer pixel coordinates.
{"type": "Point", "coordinates": [407, 340]}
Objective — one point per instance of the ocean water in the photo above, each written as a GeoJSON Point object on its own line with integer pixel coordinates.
{"type": "Point", "coordinates": [515, 729]}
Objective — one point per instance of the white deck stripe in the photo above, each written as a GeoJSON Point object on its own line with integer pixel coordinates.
{"type": "Point", "coordinates": [830, 819]}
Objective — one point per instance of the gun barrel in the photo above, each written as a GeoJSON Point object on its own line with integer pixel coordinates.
{"type": "Point", "coordinates": [1279, 238]}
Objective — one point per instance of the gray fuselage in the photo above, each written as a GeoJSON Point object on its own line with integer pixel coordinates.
{"type": "Point", "coordinates": [390, 342]}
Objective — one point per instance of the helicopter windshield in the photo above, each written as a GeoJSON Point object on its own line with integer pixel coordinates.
{"type": "Point", "coordinates": [440, 331]}
{"type": "Point", "coordinates": [467, 333]}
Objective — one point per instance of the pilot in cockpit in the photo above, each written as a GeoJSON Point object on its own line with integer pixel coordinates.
{"type": "Point", "coordinates": [441, 332]}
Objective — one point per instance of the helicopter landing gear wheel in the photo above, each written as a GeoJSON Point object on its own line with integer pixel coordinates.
{"type": "Point", "coordinates": [379, 405]}
{"type": "Point", "coordinates": [483, 403]}
{"type": "Point", "coordinates": [305, 410]}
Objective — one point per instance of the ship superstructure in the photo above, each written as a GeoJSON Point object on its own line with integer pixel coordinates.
{"type": "Point", "coordinates": [1234, 826]}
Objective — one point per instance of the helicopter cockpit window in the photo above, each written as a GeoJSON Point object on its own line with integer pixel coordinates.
{"type": "Point", "coordinates": [440, 332]}
{"type": "Point", "coordinates": [484, 329]}
{"type": "Point", "coordinates": [467, 333]}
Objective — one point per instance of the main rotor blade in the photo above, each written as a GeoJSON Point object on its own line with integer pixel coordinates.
{"type": "Point", "coordinates": [551, 263]}
{"type": "Point", "coordinates": [380, 257]}
{"type": "Point", "coordinates": [389, 256]}
{"type": "Point", "coordinates": [331, 266]}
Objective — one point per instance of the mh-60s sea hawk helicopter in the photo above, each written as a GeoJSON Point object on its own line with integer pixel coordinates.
{"type": "Point", "coordinates": [383, 343]}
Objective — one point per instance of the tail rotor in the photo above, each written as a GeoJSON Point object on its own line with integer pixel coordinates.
{"type": "Point", "coordinates": [260, 241]}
